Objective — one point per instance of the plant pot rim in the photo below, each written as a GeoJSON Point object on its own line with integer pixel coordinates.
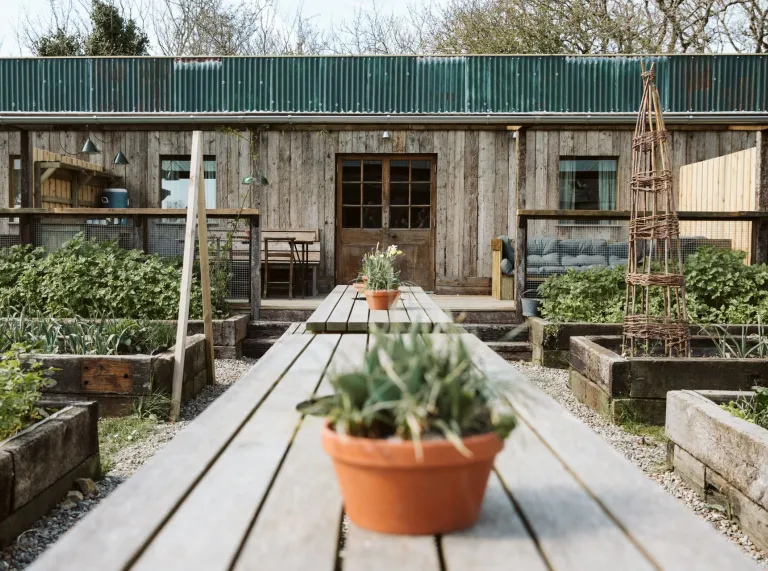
{"type": "Point", "coordinates": [380, 291]}
{"type": "Point", "coordinates": [401, 454]}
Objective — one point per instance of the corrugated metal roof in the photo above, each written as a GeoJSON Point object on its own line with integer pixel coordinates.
{"type": "Point", "coordinates": [381, 85]}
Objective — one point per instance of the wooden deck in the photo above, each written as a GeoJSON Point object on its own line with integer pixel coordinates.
{"type": "Point", "coordinates": [247, 486]}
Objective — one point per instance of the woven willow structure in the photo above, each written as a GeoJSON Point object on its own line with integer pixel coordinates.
{"type": "Point", "coordinates": [655, 301]}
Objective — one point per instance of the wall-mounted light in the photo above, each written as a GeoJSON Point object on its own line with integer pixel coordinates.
{"type": "Point", "coordinates": [89, 147]}
{"type": "Point", "coordinates": [120, 159]}
{"type": "Point", "coordinates": [386, 135]}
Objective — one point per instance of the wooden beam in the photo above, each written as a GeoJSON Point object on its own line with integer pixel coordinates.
{"type": "Point", "coordinates": [205, 276]}
{"type": "Point", "coordinates": [521, 269]}
{"type": "Point", "coordinates": [624, 215]}
{"type": "Point", "coordinates": [760, 227]}
{"type": "Point", "coordinates": [186, 286]}
{"type": "Point", "coordinates": [47, 174]}
{"type": "Point", "coordinates": [255, 258]}
{"type": "Point", "coordinates": [25, 228]}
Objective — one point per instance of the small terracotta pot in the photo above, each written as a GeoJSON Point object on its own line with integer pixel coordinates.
{"type": "Point", "coordinates": [387, 489]}
{"type": "Point", "coordinates": [359, 286]}
{"type": "Point", "coordinates": [381, 299]}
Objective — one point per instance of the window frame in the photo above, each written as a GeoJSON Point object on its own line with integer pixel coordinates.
{"type": "Point", "coordinates": [182, 157]}
{"type": "Point", "coordinates": [582, 223]}
{"type": "Point", "coordinates": [12, 180]}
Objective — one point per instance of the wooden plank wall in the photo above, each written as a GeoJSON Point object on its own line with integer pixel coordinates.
{"type": "Point", "coordinates": [722, 183]}
{"type": "Point", "coordinates": [473, 187]}
{"type": "Point", "coordinates": [546, 146]}
{"type": "Point", "coordinates": [60, 188]}
{"type": "Point", "coordinates": [476, 189]}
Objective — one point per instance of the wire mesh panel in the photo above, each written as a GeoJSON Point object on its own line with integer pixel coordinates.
{"type": "Point", "coordinates": [558, 247]}
{"type": "Point", "coordinates": [52, 233]}
{"type": "Point", "coordinates": [9, 232]}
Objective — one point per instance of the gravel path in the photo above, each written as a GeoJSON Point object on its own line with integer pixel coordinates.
{"type": "Point", "coordinates": [48, 529]}
{"type": "Point", "coordinates": [645, 452]}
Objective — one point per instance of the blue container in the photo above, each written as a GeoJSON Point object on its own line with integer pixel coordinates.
{"type": "Point", "coordinates": [115, 198]}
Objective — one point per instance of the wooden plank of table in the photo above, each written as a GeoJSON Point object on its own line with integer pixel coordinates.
{"type": "Point", "coordinates": [230, 493]}
{"type": "Point", "coordinates": [309, 506]}
{"type": "Point", "coordinates": [316, 321]}
{"type": "Point", "coordinates": [573, 530]}
{"type": "Point", "coordinates": [369, 551]}
{"type": "Point", "coordinates": [436, 315]}
{"type": "Point", "coordinates": [126, 521]}
{"type": "Point", "coordinates": [301, 329]}
{"type": "Point", "coordinates": [673, 537]}
{"type": "Point", "coordinates": [398, 317]}
{"type": "Point", "coordinates": [288, 332]}
{"type": "Point", "coordinates": [358, 317]}
{"type": "Point", "coordinates": [498, 542]}
{"type": "Point", "coordinates": [378, 318]}
{"type": "Point", "coordinates": [340, 314]}
{"type": "Point", "coordinates": [416, 313]}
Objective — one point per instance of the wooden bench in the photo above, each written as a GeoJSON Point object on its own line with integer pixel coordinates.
{"type": "Point", "coordinates": [276, 244]}
{"type": "Point", "coordinates": [247, 486]}
{"type": "Point", "coordinates": [502, 286]}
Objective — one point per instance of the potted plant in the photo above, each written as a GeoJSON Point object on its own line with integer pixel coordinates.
{"type": "Point", "coordinates": [360, 281]}
{"type": "Point", "coordinates": [413, 434]}
{"type": "Point", "coordinates": [382, 278]}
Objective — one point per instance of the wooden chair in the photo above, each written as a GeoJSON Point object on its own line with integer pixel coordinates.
{"type": "Point", "coordinates": [298, 252]}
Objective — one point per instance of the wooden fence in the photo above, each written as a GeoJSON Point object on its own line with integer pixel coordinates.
{"type": "Point", "coordinates": [724, 183]}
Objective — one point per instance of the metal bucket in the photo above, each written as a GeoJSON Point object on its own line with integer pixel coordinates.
{"type": "Point", "coordinates": [530, 305]}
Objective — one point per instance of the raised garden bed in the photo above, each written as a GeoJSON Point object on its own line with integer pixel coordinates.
{"type": "Point", "coordinates": [550, 341]}
{"type": "Point", "coordinates": [636, 387]}
{"type": "Point", "coordinates": [114, 381]}
{"type": "Point", "coordinates": [39, 465]}
{"type": "Point", "coordinates": [228, 335]}
{"type": "Point", "coordinates": [722, 457]}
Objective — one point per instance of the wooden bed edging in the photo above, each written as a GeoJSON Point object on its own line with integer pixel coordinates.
{"type": "Point", "coordinates": [722, 457]}
{"type": "Point", "coordinates": [114, 381]}
{"type": "Point", "coordinates": [39, 465]}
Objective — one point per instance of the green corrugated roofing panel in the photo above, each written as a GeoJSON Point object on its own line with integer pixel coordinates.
{"type": "Point", "coordinates": [381, 85]}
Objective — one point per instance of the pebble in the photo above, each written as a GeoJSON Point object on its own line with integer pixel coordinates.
{"type": "Point", "coordinates": [48, 529]}
{"type": "Point", "coordinates": [645, 452]}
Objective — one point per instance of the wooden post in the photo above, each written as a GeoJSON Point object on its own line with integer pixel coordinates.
{"type": "Point", "coordinates": [255, 257]}
{"type": "Point", "coordinates": [37, 177]}
{"type": "Point", "coordinates": [186, 279]}
{"type": "Point", "coordinates": [521, 255]}
{"type": "Point", "coordinates": [25, 222]}
{"type": "Point", "coordinates": [760, 227]}
{"type": "Point", "coordinates": [205, 272]}
{"type": "Point", "coordinates": [139, 237]}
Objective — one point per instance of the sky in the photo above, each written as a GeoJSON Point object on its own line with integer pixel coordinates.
{"type": "Point", "coordinates": [325, 12]}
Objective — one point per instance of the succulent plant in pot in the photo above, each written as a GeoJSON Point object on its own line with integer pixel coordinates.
{"type": "Point", "coordinates": [413, 434]}
{"type": "Point", "coordinates": [382, 281]}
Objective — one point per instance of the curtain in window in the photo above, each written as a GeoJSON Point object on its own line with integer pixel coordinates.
{"type": "Point", "coordinates": [568, 184]}
{"type": "Point", "coordinates": [607, 184]}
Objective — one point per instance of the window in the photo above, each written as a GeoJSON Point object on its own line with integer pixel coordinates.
{"type": "Point", "coordinates": [175, 180]}
{"type": "Point", "coordinates": [386, 192]}
{"type": "Point", "coordinates": [15, 182]}
{"type": "Point", "coordinates": [587, 183]}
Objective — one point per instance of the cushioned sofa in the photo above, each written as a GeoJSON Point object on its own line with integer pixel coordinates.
{"type": "Point", "coordinates": [550, 256]}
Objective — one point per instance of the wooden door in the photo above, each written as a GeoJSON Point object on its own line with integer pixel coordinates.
{"type": "Point", "coordinates": [386, 200]}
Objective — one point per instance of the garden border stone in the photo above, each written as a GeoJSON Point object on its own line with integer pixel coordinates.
{"type": "Point", "coordinates": [722, 457]}
{"type": "Point", "coordinates": [636, 388]}
{"type": "Point", "coordinates": [39, 465]}
{"type": "Point", "coordinates": [114, 381]}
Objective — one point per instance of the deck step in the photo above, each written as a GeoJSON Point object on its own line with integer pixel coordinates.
{"type": "Point", "coordinates": [497, 332]}
{"type": "Point", "coordinates": [259, 329]}
{"type": "Point", "coordinates": [255, 348]}
{"type": "Point", "coordinates": [512, 350]}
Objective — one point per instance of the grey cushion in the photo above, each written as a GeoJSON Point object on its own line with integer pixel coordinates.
{"type": "Point", "coordinates": [552, 270]}
{"type": "Point", "coordinates": [584, 260]}
{"type": "Point", "coordinates": [586, 246]}
{"type": "Point", "coordinates": [552, 259]}
{"type": "Point", "coordinates": [507, 267]}
{"type": "Point", "coordinates": [542, 246]}
{"type": "Point", "coordinates": [507, 248]}
{"type": "Point", "coordinates": [618, 250]}
{"type": "Point", "coordinates": [614, 261]}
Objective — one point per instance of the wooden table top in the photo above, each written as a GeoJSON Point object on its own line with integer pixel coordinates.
{"type": "Point", "coordinates": [247, 486]}
{"type": "Point", "coordinates": [346, 310]}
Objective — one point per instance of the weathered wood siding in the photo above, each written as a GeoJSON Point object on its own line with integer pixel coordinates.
{"type": "Point", "coordinates": [477, 197]}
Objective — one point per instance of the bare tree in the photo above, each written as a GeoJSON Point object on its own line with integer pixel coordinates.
{"type": "Point", "coordinates": [371, 31]}
{"type": "Point", "coordinates": [744, 26]}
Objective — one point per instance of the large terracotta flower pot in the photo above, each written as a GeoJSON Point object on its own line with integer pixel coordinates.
{"type": "Point", "coordinates": [381, 299]}
{"type": "Point", "coordinates": [387, 489]}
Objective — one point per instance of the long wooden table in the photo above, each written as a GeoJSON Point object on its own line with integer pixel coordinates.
{"type": "Point", "coordinates": [346, 310]}
{"type": "Point", "coordinates": [247, 486]}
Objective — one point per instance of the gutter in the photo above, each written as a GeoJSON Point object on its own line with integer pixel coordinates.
{"type": "Point", "coordinates": [66, 118]}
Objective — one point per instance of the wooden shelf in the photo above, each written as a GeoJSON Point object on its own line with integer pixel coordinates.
{"type": "Point", "coordinates": [126, 212]}
{"type": "Point", "coordinates": [49, 168]}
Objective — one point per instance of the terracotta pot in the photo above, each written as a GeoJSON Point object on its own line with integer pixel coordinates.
{"type": "Point", "coordinates": [387, 489]}
{"type": "Point", "coordinates": [359, 286]}
{"type": "Point", "coordinates": [381, 299]}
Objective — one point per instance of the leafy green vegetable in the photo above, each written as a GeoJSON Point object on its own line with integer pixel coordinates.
{"type": "Point", "coordinates": [414, 387]}
{"type": "Point", "coordinates": [20, 384]}
{"type": "Point", "coordinates": [595, 295]}
{"type": "Point", "coordinates": [92, 279]}
{"type": "Point", "coordinates": [753, 410]}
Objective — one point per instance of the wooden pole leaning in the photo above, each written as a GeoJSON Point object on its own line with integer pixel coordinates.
{"type": "Point", "coordinates": [205, 275]}
{"type": "Point", "coordinates": [186, 278]}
